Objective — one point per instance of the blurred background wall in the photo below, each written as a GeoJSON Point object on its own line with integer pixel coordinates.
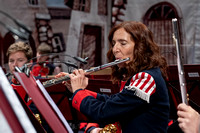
{"type": "Point", "coordinates": [80, 27]}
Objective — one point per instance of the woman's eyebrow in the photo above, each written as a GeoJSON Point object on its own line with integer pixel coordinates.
{"type": "Point", "coordinates": [122, 40]}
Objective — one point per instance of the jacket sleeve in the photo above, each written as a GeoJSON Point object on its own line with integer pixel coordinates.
{"type": "Point", "coordinates": [134, 97]}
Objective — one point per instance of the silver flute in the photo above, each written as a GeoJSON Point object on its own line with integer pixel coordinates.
{"type": "Point", "coordinates": [181, 73]}
{"type": "Point", "coordinates": [51, 82]}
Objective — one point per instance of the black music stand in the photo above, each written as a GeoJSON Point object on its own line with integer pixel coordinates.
{"type": "Point", "coordinates": [103, 86]}
{"type": "Point", "coordinates": [192, 77]}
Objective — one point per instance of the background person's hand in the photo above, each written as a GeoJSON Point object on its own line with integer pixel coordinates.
{"type": "Point", "coordinates": [188, 118]}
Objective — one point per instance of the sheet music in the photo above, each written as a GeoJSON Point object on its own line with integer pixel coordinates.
{"type": "Point", "coordinates": [5, 127]}
{"type": "Point", "coordinates": [54, 106]}
{"type": "Point", "coordinates": [15, 104]}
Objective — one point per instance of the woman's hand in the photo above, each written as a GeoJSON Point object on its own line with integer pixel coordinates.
{"type": "Point", "coordinates": [61, 74]}
{"type": "Point", "coordinates": [78, 80]}
{"type": "Point", "coordinates": [66, 83]}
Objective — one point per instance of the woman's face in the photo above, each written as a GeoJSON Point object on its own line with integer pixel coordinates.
{"type": "Point", "coordinates": [16, 59]}
{"type": "Point", "coordinates": [122, 46]}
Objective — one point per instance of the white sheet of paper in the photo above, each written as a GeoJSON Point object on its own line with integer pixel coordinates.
{"type": "Point", "coordinates": [15, 104]}
{"type": "Point", "coordinates": [54, 106]}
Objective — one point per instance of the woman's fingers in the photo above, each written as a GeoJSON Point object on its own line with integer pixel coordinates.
{"type": "Point", "coordinates": [61, 74]}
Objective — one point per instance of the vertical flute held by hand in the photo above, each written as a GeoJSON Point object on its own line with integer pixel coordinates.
{"type": "Point", "coordinates": [87, 72]}
{"type": "Point", "coordinates": [181, 73]}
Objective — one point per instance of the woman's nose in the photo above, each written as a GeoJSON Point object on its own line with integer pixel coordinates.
{"type": "Point", "coordinates": [116, 48]}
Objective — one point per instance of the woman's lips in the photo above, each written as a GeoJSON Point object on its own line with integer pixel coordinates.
{"type": "Point", "coordinates": [117, 58]}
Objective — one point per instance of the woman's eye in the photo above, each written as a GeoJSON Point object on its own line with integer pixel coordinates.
{"type": "Point", "coordinates": [123, 43]}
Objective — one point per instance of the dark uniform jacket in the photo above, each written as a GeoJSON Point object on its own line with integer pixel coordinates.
{"type": "Point", "coordinates": [141, 107]}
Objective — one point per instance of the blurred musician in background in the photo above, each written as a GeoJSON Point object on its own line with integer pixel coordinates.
{"type": "Point", "coordinates": [42, 67]}
{"type": "Point", "coordinates": [142, 106]}
{"type": "Point", "coordinates": [188, 118]}
{"type": "Point", "coordinates": [18, 54]}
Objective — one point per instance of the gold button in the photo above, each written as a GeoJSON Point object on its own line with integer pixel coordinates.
{"type": "Point", "coordinates": [75, 102]}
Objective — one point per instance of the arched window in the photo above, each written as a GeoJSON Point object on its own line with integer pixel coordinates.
{"type": "Point", "coordinates": [159, 20]}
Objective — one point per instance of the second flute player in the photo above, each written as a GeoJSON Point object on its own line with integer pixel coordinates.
{"type": "Point", "coordinates": [142, 106]}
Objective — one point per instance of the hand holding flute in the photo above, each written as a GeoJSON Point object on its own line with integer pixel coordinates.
{"type": "Point", "coordinates": [78, 80]}
{"type": "Point", "coordinates": [64, 76]}
{"type": "Point", "coordinates": [78, 77]}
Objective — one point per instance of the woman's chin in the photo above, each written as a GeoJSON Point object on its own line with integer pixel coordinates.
{"type": "Point", "coordinates": [121, 65]}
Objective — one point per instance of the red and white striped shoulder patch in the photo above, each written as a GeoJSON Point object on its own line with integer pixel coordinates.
{"type": "Point", "coordinates": [143, 84]}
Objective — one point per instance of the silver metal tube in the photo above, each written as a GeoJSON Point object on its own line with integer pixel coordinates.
{"type": "Point", "coordinates": [87, 72]}
{"type": "Point", "coordinates": [181, 73]}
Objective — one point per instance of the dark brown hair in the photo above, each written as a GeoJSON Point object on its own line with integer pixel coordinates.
{"type": "Point", "coordinates": [146, 52]}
